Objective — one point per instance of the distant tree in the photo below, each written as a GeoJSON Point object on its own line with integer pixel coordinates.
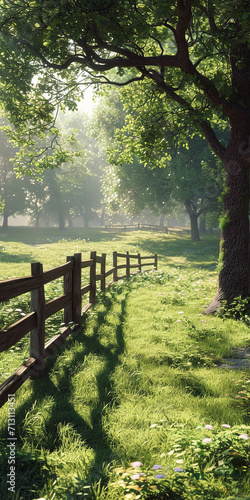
{"type": "Point", "coordinates": [73, 188]}
{"type": "Point", "coordinates": [81, 179]}
{"type": "Point", "coordinates": [36, 198]}
{"type": "Point", "coordinates": [11, 187]}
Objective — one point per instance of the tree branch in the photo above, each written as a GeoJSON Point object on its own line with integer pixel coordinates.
{"type": "Point", "coordinates": [213, 141]}
{"type": "Point", "coordinates": [185, 64]}
{"type": "Point", "coordinates": [117, 84]}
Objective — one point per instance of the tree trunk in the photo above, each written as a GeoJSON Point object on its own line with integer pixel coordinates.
{"type": "Point", "coordinates": [5, 209]}
{"type": "Point", "coordinates": [162, 219]}
{"type": "Point", "coordinates": [5, 217]}
{"type": "Point", "coordinates": [61, 220]}
{"type": "Point", "coordinates": [70, 221]}
{"type": "Point", "coordinates": [235, 249]}
{"type": "Point", "coordinates": [193, 215]}
{"type": "Point", "coordinates": [202, 225]}
{"type": "Point", "coordinates": [195, 236]}
{"type": "Point", "coordinates": [85, 216]}
{"type": "Point", "coordinates": [102, 219]}
{"type": "Point", "coordinates": [37, 220]}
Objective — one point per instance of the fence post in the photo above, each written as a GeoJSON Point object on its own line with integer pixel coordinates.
{"type": "Point", "coordinates": [103, 270]}
{"type": "Point", "coordinates": [92, 293]}
{"type": "Point", "coordinates": [68, 317]}
{"type": "Point", "coordinates": [155, 264]}
{"type": "Point", "coordinates": [139, 262]}
{"type": "Point", "coordinates": [76, 290]}
{"type": "Point", "coordinates": [115, 266]}
{"type": "Point", "coordinates": [127, 265]}
{"type": "Point", "coordinates": [37, 335]}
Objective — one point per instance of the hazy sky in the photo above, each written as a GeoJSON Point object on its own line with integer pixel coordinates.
{"type": "Point", "coordinates": [87, 103]}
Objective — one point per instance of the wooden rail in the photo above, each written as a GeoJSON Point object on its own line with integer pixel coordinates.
{"type": "Point", "coordinates": [70, 302]}
{"type": "Point", "coordinates": [135, 227]}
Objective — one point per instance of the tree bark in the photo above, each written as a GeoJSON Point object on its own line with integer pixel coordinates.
{"type": "Point", "coordinates": [195, 236]}
{"type": "Point", "coordinates": [193, 215]}
{"type": "Point", "coordinates": [234, 277]}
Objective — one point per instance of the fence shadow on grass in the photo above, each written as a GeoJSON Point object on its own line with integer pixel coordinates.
{"type": "Point", "coordinates": [59, 390]}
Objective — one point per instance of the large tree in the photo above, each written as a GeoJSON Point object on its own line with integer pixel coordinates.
{"type": "Point", "coordinates": [196, 54]}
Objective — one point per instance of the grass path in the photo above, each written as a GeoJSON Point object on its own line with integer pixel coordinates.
{"type": "Point", "coordinates": [141, 382]}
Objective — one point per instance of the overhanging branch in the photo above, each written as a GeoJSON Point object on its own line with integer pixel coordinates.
{"type": "Point", "coordinates": [213, 141]}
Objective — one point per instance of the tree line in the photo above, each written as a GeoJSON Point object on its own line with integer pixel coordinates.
{"type": "Point", "coordinates": [191, 180]}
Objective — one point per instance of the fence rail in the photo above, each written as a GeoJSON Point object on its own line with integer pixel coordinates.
{"type": "Point", "coordinates": [70, 302]}
{"type": "Point", "coordinates": [136, 227]}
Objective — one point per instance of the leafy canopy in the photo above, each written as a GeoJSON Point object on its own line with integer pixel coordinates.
{"type": "Point", "coordinates": [195, 52]}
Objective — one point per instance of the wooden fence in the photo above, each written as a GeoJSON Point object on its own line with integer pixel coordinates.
{"type": "Point", "coordinates": [70, 302]}
{"type": "Point", "coordinates": [136, 227]}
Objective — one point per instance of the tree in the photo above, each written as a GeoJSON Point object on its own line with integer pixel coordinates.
{"type": "Point", "coordinates": [73, 188]}
{"type": "Point", "coordinates": [11, 188]}
{"type": "Point", "coordinates": [194, 53]}
{"type": "Point", "coordinates": [190, 176]}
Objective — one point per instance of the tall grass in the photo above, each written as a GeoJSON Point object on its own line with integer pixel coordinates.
{"type": "Point", "coordinates": [140, 383]}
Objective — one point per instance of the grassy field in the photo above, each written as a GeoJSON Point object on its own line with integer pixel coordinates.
{"type": "Point", "coordinates": [140, 383]}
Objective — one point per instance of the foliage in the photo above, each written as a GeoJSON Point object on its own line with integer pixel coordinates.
{"type": "Point", "coordinates": [62, 191]}
{"type": "Point", "coordinates": [64, 45]}
{"type": "Point", "coordinates": [238, 309]}
{"type": "Point", "coordinates": [196, 461]}
{"type": "Point", "coordinates": [243, 395]}
{"type": "Point", "coordinates": [190, 176]}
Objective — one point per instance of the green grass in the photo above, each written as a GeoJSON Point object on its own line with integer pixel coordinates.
{"type": "Point", "coordinates": [140, 382]}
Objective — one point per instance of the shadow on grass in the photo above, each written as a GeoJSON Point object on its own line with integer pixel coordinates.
{"type": "Point", "coordinates": [12, 258]}
{"type": "Point", "coordinates": [203, 253]}
{"type": "Point", "coordinates": [34, 236]}
{"type": "Point", "coordinates": [33, 469]}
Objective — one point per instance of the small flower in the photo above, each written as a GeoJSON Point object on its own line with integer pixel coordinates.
{"type": "Point", "coordinates": [135, 477]}
{"type": "Point", "coordinates": [178, 469]}
{"type": "Point", "coordinates": [243, 436]}
{"type": "Point", "coordinates": [210, 427]}
{"type": "Point", "coordinates": [156, 467]}
{"type": "Point", "coordinates": [160, 476]}
{"type": "Point", "coordinates": [136, 464]}
{"type": "Point", "coordinates": [207, 440]}
{"type": "Point", "coordinates": [226, 426]}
